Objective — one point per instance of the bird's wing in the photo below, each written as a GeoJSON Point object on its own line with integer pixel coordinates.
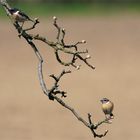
{"type": "Point", "coordinates": [23, 14]}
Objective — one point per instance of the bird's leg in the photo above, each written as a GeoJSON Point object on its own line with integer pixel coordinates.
{"type": "Point", "coordinates": [32, 20]}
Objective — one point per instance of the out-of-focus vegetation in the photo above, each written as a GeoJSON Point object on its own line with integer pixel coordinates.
{"type": "Point", "coordinates": [78, 1]}
{"type": "Point", "coordinates": [75, 7]}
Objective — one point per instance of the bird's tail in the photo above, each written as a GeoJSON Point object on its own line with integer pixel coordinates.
{"type": "Point", "coordinates": [112, 115]}
{"type": "Point", "coordinates": [31, 20]}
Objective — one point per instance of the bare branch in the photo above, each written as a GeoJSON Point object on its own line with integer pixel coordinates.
{"type": "Point", "coordinates": [63, 36]}
{"type": "Point", "coordinates": [36, 21]}
{"type": "Point", "coordinates": [57, 27]}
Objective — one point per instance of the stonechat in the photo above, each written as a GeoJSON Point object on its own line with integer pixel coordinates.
{"type": "Point", "coordinates": [18, 15]}
{"type": "Point", "coordinates": [107, 107]}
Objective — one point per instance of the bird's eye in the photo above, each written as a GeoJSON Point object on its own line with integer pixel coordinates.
{"type": "Point", "coordinates": [106, 100]}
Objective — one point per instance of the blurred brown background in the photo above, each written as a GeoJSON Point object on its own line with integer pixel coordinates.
{"type": "Point", "coordinates": [114, 44]}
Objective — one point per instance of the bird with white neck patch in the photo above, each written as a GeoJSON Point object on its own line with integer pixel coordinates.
{"type": "Point", "coordinates": [18, 15]}
{"type": "Point", "coordinates": [107, 107]}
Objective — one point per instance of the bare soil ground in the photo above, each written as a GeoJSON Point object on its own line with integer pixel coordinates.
{"type": "Point", "coordinates": [27, 114]}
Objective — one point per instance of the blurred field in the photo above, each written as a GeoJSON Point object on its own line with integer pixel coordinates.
{"type": "Point", "coordinates": [27, 114]}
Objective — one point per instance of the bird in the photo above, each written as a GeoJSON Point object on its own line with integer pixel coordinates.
{"type": "Point", "coordinates": [18, 15]}
{"type": "Point", "coordinates": [107, 107]}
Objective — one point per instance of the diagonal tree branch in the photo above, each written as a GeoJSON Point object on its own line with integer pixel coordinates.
{"type": "Point", "coordinates": [59, 45]}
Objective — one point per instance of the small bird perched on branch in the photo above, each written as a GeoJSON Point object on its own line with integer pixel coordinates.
{"type": "Point", "coordinates": [18, 15]}
{"type": "Point", "coordinates": [107, 107]}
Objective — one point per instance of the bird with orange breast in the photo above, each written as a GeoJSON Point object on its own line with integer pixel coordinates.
{"type": "Point", "coordinates": [107, 107]}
